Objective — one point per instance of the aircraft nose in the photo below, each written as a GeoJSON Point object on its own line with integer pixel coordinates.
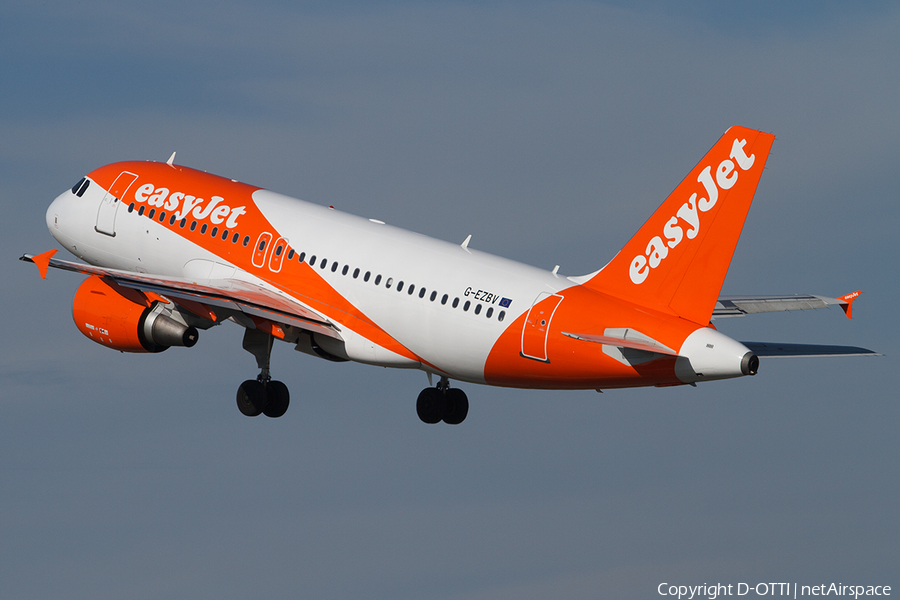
{"type": "Point", "coordinates": [55, 212]}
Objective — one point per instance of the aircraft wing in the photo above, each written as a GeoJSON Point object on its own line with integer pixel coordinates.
{"type": "Point", "coordinates": [740, 306]}
{"type": "Point", "coordinates": [233, 294]}
{"type": "Point", "coordinates": [781, 350]}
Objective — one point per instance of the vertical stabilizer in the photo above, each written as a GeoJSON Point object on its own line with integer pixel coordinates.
{"type": "Point", "coordinates": [678, 259]}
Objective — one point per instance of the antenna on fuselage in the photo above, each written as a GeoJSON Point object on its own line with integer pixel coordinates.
{"type": "Point", "coordinates": [171, 160]}
{"type": "Point", "coordinates": [465, 244]}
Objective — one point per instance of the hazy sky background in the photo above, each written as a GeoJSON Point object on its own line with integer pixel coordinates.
{"type": "Point", "coordinates": [548, 131]}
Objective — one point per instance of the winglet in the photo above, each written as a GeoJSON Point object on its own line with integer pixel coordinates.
{"type": "Point", "coordinates": [42, 261]}
{"type": "Point", "coordinates": [847, 302]}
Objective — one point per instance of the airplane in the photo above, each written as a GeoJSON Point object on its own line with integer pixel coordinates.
{"type": "Point", "coordinates": [171, 250]}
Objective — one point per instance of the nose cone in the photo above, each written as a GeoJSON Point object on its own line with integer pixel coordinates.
{"type": "Point", "coordinates": [55, 215]}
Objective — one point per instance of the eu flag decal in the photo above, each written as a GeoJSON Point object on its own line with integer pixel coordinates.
{"type": "Point", "coordinates": [505, 302]}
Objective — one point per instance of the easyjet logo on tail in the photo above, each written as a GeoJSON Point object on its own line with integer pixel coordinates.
{"type": "Point", "coordinates": [725, 177]}
{"type": "Point", "coordinates": [215, 209]}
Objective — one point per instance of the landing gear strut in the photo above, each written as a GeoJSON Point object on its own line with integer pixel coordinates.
{"type": "Point", "coordinates": [442, 403]}
{"type": "Point", "coordinates": [262, 395]}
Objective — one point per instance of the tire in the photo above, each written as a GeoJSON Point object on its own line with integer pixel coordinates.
{"type": "Point", "coordinates": [251, 398]}
{"type": "Point", "coordinates": [431, 405]}
{"type": "Point", "coordinates": [279, 399]}
{"type": "Point", "coordinates": [457, 407]}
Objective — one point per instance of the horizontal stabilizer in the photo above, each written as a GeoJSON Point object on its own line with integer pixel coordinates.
{"type": "Point", "coordinates": [647, 345]}
{"type": "Point", "coordinates": [739, 306]}
{"type": "Point", "coordinates": [776, 349]}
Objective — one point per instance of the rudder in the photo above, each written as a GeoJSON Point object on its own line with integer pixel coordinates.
{"type": "Point", "coordinates": [678, 259]}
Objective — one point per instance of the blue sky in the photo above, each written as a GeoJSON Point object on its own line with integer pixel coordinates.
{"type": "Point", "coordinates": [548, 131]}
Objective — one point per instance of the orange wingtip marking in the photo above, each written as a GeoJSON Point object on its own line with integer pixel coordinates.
{"type": "Point", "coordinates": [849, 298]}
{"type": "Point", "coordinates": [43, 261]}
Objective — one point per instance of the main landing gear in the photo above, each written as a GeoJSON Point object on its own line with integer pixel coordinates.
{"type": "Point", "coordinates": [262, 395]}
{"type": "Point", "coordinates": [442, 403]}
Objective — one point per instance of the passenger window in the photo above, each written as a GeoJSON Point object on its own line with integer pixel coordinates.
{"type": "Point", "coordinates": [345, 269]}
{"type": "Point", "coordinates": [355, 273]}
{"type": "Point", "coordinates": [334, 267]}
{"type": "Point", "coordinates": [312, 260]}
{"type": "Point", "coordinates": [151, 213]}
{"type": "Point", "coordinates": [162, 216]}
{"type": "Point", "coordinates": [366, 277]}
{"type": "Point", "coordinates": [489, 312]}
{"type": "Point", "coordinates": [204, 227]}
{"type": "Point", "coordinates": [324, 263]}
{"type": "Point", "coordinates": [433, 296]}
{"type": "Point", "coordinates": [377, 279]}
{"type": "Point", "coordinates": [131, 207]}
{"type": "Point", "coordinates": [302, 256]}
{"type": "Point", "coordinates": [193, 225]}
{"type": "Point", "coordinates": [214, 231]}
{"type": "Point", "coordinates": [412, 289]}
{"type": "Point", "coordinates": [466, 306]}
{"type": "Point", "coordinates": [235, 238]}
{"type": "Point", "coordinates": [444, 299]}
{"type": "Point", "coordinates": [422, 293]}
{"type": "Point", "coordinates": [501, 315]}
{"type": "Point", "coordinates": [182, 223]}
{"type": "Point", "coordinates": [389, 282]}
{"type": "Point", "coordinates": [224, 235]}
{"type": "Point", "coordinates": [477, 309]}
{"type": "Point", "coordinates": [172, 220]}
{"type": "Point", "coordinates": [400, 287]}
{"type": "Point", "coordinates": [244, 243]}
{"type": "Point", "coordinates": [455, 302]}
{"type": "Point", "coordinates": [141, 210]}
{"type": "Point", "coordinates": [291, 254]}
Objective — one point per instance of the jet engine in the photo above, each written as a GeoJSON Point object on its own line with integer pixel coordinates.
{"type": "Point", "coordinates": [127, 320]}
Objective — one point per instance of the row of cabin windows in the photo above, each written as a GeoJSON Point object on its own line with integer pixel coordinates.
{"type": "Point", "coordinates": [388, 283]}
{"type": "Point", "coordinates": [214, 232]}
{"type": "Point", "coordinates": [323, 264]}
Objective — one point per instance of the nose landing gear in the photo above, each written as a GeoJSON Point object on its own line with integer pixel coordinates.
{"type": "Point", "coordinates": [262, 395]}
{"type": "Point", "coordinates": [442, 403]}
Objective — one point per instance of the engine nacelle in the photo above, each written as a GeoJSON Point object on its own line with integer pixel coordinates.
{"type": "Point", "coordinates": [125, 319]}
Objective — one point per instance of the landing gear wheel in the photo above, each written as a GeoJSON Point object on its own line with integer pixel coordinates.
{"type": "Point", "coordinates": [251, 398]}
{"type": "Point", "coordinates": [457, 406]}
{"type": "Point", "coordinates": [279, 399]}
{"type": "Point", "coordinates": [431, 405]}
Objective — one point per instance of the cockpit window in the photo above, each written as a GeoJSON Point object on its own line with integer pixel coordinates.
{"type": "Point", "coordinates": [79, 188]}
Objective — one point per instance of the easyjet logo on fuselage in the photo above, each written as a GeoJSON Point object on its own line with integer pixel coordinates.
{"type": "Point", "coordinates": [725, 178]}
{"type": "Point", "coordinates": [214, 209]}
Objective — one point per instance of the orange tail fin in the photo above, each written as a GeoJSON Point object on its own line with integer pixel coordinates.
{"type": "Point", "coordinates": [677, 261]}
